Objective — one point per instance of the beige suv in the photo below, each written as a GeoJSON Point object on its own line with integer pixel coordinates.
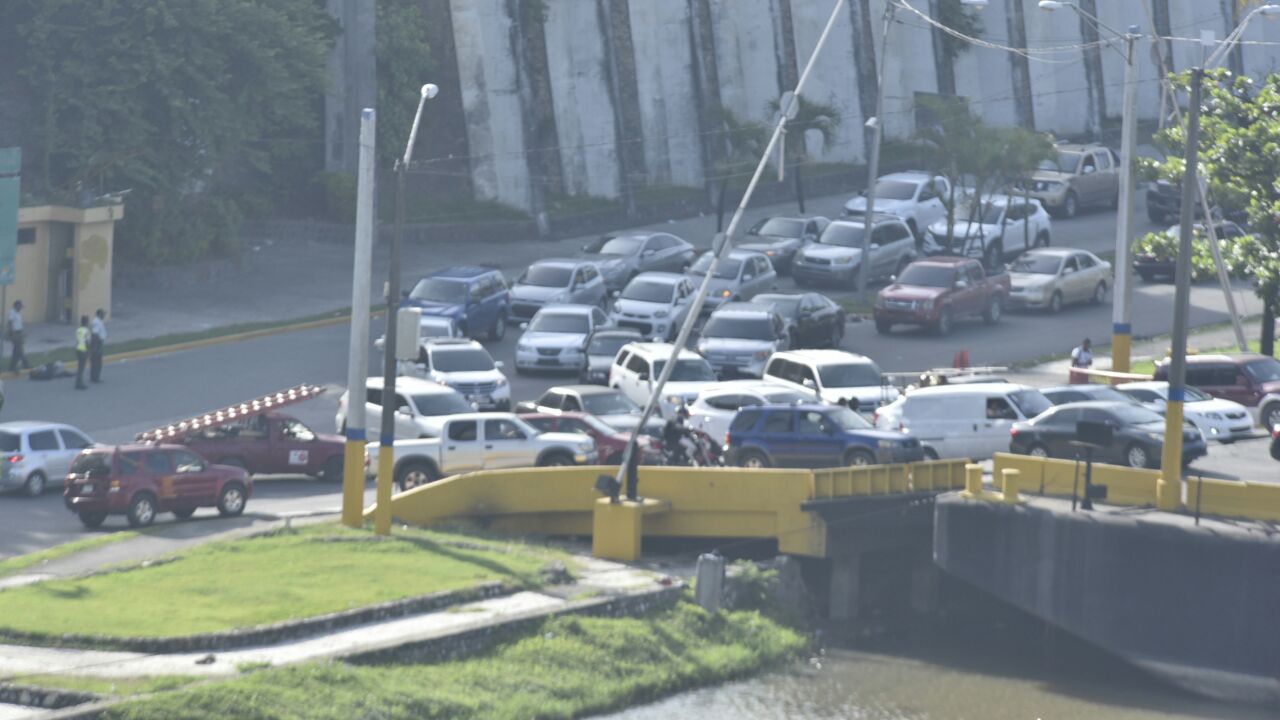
{"type": "Point", "coordinates": [1078, 175]}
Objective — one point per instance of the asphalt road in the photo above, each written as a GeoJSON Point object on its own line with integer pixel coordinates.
{"type": "Point", "coordinates": [144, 393]}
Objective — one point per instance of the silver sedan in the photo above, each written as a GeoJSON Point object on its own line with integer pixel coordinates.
{"type": "Point", "coordinates": [1048, 278]}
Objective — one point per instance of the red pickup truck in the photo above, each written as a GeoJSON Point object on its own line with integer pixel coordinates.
{"type": "Point", "coordinates": [271, 443]}
{"type": "Point", "coordinates": [938, 291]}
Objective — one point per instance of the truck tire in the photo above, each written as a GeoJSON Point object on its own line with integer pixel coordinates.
{"type": "Point", "coordinates": [416, 473]}
{"type": "Point", "coordinates": [499, 329]}
{"type": "Point", "coordinates": [231, 500]}
{"type": "Point", "coordinates": [943, 325]}
{"type": "Point", "coordinates": [857, 457]}
{"type": "Point", "coordinates": [884, 327]}
{"type": "Point", "coordinates": [555, 458]}
{"type": "Point", "coordinates": [92, 520]}
{"type": "Point", "coordinates": [142, 510]}
{"type": "Point", "coordinates": [1156, 215]}
{"type": "Point", "coordinates": [1270, 416]}
{"type": "Point", "coordinates": [994, 311]}
{"type": "Point", "coordinates": [1071, 206]}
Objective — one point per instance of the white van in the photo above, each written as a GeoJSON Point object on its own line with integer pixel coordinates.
{"type": "Point", "coordinates": [638, 366]}
{"type": "Point", "coordinates": [835, 375]}
{"type": "Point", "coordinates": [964, 421]}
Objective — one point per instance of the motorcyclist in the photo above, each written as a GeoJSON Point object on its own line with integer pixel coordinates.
{"type": "Point", "coordinates": [675, 433]}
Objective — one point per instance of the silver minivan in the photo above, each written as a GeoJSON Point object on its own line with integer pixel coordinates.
{"type": "Point", "coordinates": [964, 421]}
{"type": "Point", "coordinates": [35, 455]}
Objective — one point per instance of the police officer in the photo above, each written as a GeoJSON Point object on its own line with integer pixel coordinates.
{"type": "Point", "coordinates": [97, 340]}
{"type": "Point", "coordinates": [82, 351]}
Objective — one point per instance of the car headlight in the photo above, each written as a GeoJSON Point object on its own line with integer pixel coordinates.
{"type": "Point", "coordinates": [770, 252]}
{"type": "Point", "coordinates": [660, 314]}
{"type": "Point", "coordinates": [702, 348]}
{"type": "Point", "coordinates": [524, 347]}
{"type": "Point", "coordinates": [502, 382]}
{"type": "Point", "coordinates": [725, 293]}
{"type": "Point", "coordinates": [843, 260]}
{"type": "Point", "coordinates": [1213, 416]}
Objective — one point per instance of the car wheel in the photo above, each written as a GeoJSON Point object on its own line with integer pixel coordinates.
{"type": "Point", "coordinates": [994, 311]}
{"type": "Point", "coordinates": [1042, 239]}
{"type": "Point", "coordinates": [1270, 416]}
{"type": "Point", "coordinates": [1038, 450]}
{"type": "Point", "coordinates": [333, 469]}
{"type": "Point", "coordinates": [416, 474]}
{"type": "Point", "coordinates": [142, 510]}
{"type": "Point", "coordinates": [1071, 206]}
{"type": "Point", "coordinates": [555, 459]}
{"type": "Point", "coordinates": [1100, 294]}
{"type": "Point", "coordinates": [231, 500]}
{"type": "Point", "coordinates": [943, 325]}
{"type": "Point", "coordinates": [930, 454]}
{"type": "Point", "coordinates": [752, 459]}
{"type": "Point", "coordinates": [884, 327]}
{"type": "Point", "coordinates": [499, 328]}
{"type": "Point", "coordinates": [859, 458]}
{"type": "Point", "coordinates": [184, 513]}
{"type": "Point", "coordinates": [1137, 456]}
{"type": "Point", "coordinates": [1146, 276]}
{"type": "Point", "coordinates": [34, 487]}
{"type": "Point", "coordinates": [1055, 303]}
{"type": "Point", "coordinates": [233, 462]}
{"type": "Point", "coordinates": [92, 519]}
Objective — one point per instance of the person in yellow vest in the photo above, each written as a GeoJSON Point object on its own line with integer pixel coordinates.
{"type": "Point", "coordinates": [82, 351]}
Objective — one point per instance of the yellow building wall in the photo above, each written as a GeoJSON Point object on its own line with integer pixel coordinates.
{"type": "Point", "coordinates": [31, 277]}
{"type": "Point", "coordinates": [92, 232]}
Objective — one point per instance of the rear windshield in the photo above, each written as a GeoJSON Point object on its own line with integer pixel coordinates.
{"type": "Point", "coordinates": [10, 442]}
{"type": "Point", "coordinates": [1030, 402]}
{"type": "Point", "coordinates": [786, 305]}
{"type": "Point", "coordinates": [849, 375]}
{"type": "Point", "coordinates": [561, 323]}
{"type": "Point", "coordinates": [927, 276]}
{"type": "Point", "coordinates": [608, 345]}
{"type": "Point", "coordinates": [439, 290]}
{"type": "Point", "coordinates": [450, 403]}
{"type": "Point", "coordinates": [556, 276]}
{"type": "Point", "coordinates": [648, 291]}
{"type": "Point", "coordinates": [779, 227]}
{"type": "Point", "coordinates": [760, 328]}
{"type": "Point", "coordinates": [90, 462]}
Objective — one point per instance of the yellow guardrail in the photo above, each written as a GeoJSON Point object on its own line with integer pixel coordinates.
{"type": "Point", "coordinates": [1254, 501]}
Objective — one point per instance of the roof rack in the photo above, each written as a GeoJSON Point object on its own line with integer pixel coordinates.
{"type": "Point", "coordinates": [266, 403]}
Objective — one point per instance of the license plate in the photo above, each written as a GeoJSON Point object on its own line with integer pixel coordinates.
{"type": "Point", "coordinates": [547, 361]}
{"type": "Point", "coordinates": [86, 489]}
{"type": "Point", "coordinates": [480, 399]}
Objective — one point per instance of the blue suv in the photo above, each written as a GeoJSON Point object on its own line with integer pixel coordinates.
{"type": "Point", "coordinates": [813, 436]}
{"type": "Point", "coordinates": [476, 298]}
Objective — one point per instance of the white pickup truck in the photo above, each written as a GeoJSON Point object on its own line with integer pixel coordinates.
{"type": "Point", "coordinates": [467, 442]}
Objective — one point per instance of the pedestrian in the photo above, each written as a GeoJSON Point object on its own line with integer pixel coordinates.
{"type": "Point", "coordinates": [82, 351]}
{"type": "Point", "coordinates": [17, 336]}
{"type": "Point", "coordinates": [1081, 357]}
{"type": "Point", "coordinates": [97, 340]}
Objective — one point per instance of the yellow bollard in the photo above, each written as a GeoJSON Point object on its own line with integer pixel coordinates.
{"type": "Point", "coordinates": [353, 484]}
{"type": "Point", "coordinates": [973, 480]}
{"type": "Point", "coordinates": [1011, 476]}
{"type": "Point", "coordinates": [1121, 343]}
{"type": "Point", "coordinates": [382, 511]}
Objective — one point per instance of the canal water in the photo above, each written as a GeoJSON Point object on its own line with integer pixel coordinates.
{"type": "Point", "coordinates": [977, 673]}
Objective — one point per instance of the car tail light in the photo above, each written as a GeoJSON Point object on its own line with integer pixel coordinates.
{"type": "Point", "coordinates": [15, 458]}
{"type": "Point", "coordinates": [1013, 432]}
{"type": "Point", "coordinates": [728, 439]}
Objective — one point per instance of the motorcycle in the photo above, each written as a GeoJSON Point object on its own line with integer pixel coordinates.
{"type": "Point", "coordinates": [694, 449]}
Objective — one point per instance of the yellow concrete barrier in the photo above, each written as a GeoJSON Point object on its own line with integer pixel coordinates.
{"type": "Point", "coordinates": [930, 475]}
{"type": "Point", "coordinates": [1009, 480]}
{"type": "Point", "coordinates": [1254, 501]}
{"type": "Point", "coordinates": [1051, 476]}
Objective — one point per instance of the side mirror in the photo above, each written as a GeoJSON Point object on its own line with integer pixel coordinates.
{"type": "Point", "coordinates": [616, 294]}
{"type": "Point", "coordinates": [499, 364]}
{"type": "Point", "coordinates": [524, 326]}
{"type": "Point", "coordinates": [809, 383]}
{"type": "Point", "coordinates": [1089, 170]}
{"type": "Point", "coordinates": [893, 278]}
{"type": "Point", "coordinates": [874, 246]}
{"type": "Point", "coordinates": [644, 376]}
{"type": "Point", "coordinates": [647, 252]}
{"type": "Point", "coordinates": [962, 284]}
{"type": "Point", "coordinates": [1068, 271]}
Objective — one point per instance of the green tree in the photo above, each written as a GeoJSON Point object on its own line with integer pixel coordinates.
{"type": "Point", "coordinates": [206, 109]}
{"type": "Point", "coordinates": [404, 64]}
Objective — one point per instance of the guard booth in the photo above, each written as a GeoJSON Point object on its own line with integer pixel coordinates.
{"type": "Point", "coordinates": [63, 264]}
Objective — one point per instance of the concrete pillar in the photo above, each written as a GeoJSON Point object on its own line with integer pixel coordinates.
{"type": "Point", "coordinates": [1010, 478]}
{"type": "Point", "coordinates": [846, 585]}
{"type": "Point", "coordinates": [973, 480]}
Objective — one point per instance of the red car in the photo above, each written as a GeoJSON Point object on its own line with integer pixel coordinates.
{"type": "Point", "coordinates": [271, 443]}
{"type": "Point", "coordinates": [139, 481]}
{"type": "Point", "coordinates": [610, 442]}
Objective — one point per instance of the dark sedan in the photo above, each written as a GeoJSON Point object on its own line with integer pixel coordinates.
{"type": "Point", "coordinates": [1137, 434]}
{"type": "Point", "coordinates": [813, 320]}
{"type": "Point", "coordinates": [1063, 394]}
{"type": "Point", "coordinates": [780, 238]}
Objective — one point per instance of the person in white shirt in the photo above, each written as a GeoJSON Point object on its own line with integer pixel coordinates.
{"type": "Point", "coordinates": [97, 339]}
{"type": "Point", "coordinates": [17, 336]}
{"type": "Point", "coordinates": [1081, 357]}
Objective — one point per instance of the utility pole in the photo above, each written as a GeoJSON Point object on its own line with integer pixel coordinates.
{"type": "Point", "coordinates": [1122, 300]}
{"type": "Point", "coordinates": [873, 163]}
{"type": "Point", "coordinates": [1169, 490]}
{"type": "Point", "coordinates": [358, 352]}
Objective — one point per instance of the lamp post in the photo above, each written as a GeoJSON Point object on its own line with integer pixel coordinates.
{"type": "Point", "coordinates": [1122, 293]}
{"type": "Point", "coordinates": [387, 439]}
{"type": "Point", "coordinates": [876, 125]}
{"type": "Point", "coordinates": [353, 475]}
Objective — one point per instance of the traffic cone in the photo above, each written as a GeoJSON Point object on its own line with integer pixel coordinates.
{"type": "Point", "coordinates": [961, 360]}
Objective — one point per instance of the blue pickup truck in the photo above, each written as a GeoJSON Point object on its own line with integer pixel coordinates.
{"type": "Point", "coordinates": [813, 436]}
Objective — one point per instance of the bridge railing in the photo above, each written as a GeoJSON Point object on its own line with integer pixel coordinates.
{"type": "Point", "coordinates": [927, 476]}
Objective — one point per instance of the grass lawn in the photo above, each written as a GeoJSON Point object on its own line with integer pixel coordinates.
{"type": "Point", "coordinates": [20, 563]}
{"type": "Point", "coordinates": [106, 686]}
{"type": "Point", "coordinates": [569, 667]}
{"type": "Point", "coordinates": [256, 581]}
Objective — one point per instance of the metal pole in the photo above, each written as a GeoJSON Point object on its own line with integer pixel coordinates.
{"type": "Point", "coordinates": [1169, 490]}
{"type": "Point", "coordinates": [701, 296]}
{"type": "Point", "coordinates": [1224, 278]}
{"type": "Point", "coordinates": [873, 163]}
{"type": "Point", "coordinates": [353, 476]}
{"type": "Point", "coordinates": [1122, 293]}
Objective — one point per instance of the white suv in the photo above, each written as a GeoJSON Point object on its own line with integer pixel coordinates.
{"type": "Point", "coordinates": [835, 375]}
{"type": "Point", "coordinates": [639, 365]}
{"type": "Point", "coordinates": [467, 367]}
{"type": "Point", "coordinates": [35, 454]}
{"type": "Point", "coordinates": [417, 400]}
{"type": "Point", "coordinates": [915, 196]}
{"type": "Point", "coordinates": [739, 337]}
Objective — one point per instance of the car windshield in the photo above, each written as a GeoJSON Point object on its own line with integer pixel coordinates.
{"type": "Point", "coordinates": [779, 227]}
{"type": "Point", "coordinates": [621, 246]}
{"type": "Point", "coordinates": [10, 442]}
{"type": "Point", "coordinates": [849, 375]}
{"type": "Point", "coordinates": [849, 420]}
{"type": "Point", "coordinates": [1264, 370]}
{"type": "Point", "coordinates": [726, 270]}
{"type": "Point", "coordinates": [450, 403]}
{"type": "Point", "coordinates": [440, 290]}
{"type": "Point", "coordinates": [1037, 264]}
{"type": "Point", "coordinates": [1134, 415]}
{"type": "Point", "coordinates": [844, 234]}
{"type": "Point", "coordinates": [1030, 402]}
{"type": "Point", "coordinates": [896, 189]}
{"type": "Point", "coordinates": [609, 404]}
{"type": "Point", "coordinates": [687, 370]}
{"type": "Point", "coordinates": [785, 305]}
{"type": "Point", "coordinates": [1065, 162]}
{"type": "Point", "coordinates": [742, 328]}
{"type": "Point", "coordinates": [91, 462]}
{"type": "Point", "coordinates": [461, 360]}
{"type": "Point", "coordinates": [934, 276]}
{"type": "Point", "coordinates": [609, 344]}
{"type": "Point", "coordinates": [555, 276]}
{"type": "Point", "coordinates": [561, 323]}
{"type": "Point", "coordinates": [648, 291]}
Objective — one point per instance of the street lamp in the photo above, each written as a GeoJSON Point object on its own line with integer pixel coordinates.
{"type": "Point", "coordinates": [386, 447]}
{"type": "Point", "coordinates": [1269, 11]}
{"type": "Point", "coordinates": [876, 126]}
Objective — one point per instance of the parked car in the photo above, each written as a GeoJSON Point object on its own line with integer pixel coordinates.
{"type": "Point", "coordinates": [639, 365]}
{"type": "Point", "coordinates": [715, 407]}
{"type": "Point", "coordinates": [1275, 442]}
{"type": "Point", "coordinates": [1001, 225]}
{"type": "Point", "coordinates": [140, 481]}
{"type": "Point", "coordinates": [610, 441]}
{"type": "Point", "coordinates": [813, 436]}
{"type": "Point", "coordinates": [622, 257]}
{"type": "Point", "coordinates": [914, 196]}
{"type": "Point", "coordinates": [1152, 263]}
{"type": "Point", "coordinates": [1250, 379]}
{"type": "Point", "coordinates": [416, 401]}
{"type": "Point", "coordinates": [1138, 434]}
{"type": "Point", "coordinates": [475, 297]}
{"type": "Point", "coordinates": [467, 367]}
{"type": "Point", "coordinates": [739, 337]}
{"type": "Point", "coordinates": [602, 348]}
{"type": "Point", "coordinates": [962, 421]}
{"type": "Point", "coordinates": [556, 281]}
{"type": "Point", "coordinates": [655, 304]}
{"type": "Point", "coordinates": [35, 454]}
{"type": "Point", "coordinates": [482, 441]}
{"type": "Point", "coordinates": [938, 291]}
{"type": "Point", "coordinates": [608, 404]}
{"type": "Point", "coordinates": [778, 238]}
{"type": "Point", "coordinates": [1048, 278]}
{"type": "Point", "coordinates": [1077, 176]}
{"type": "Point", "coordinates": [271, 443]}
{"type": "Point", "coordinates": [812, 320]}
{"type": "Point", "coordinates": [741, 275]}
{"type": "Point", "coordinates": [838, 377]}
{"type": "Point", "coordinates": [556, 338]}
{"type": "Point", "coordinates": [1221, 420]}
{"type": "Point", "coordinates": [838, 253]}
{"type": "Point", "coordinates": [1084, 392]}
